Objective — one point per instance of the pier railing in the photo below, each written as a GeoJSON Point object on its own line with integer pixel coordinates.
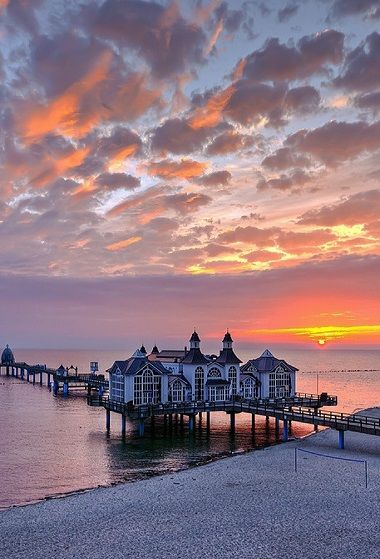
{"type": "Point", "coordinates": [277, 409]}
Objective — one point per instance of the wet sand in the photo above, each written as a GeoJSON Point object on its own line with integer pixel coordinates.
{"type": "Point", "coordinates": [248, 506]}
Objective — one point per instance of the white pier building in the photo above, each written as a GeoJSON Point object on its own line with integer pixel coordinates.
{"type": "Point", "coordinates": [189, 375]}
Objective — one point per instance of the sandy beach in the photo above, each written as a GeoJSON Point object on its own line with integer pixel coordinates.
{"type": "Point", "coordinates": [247, 506]}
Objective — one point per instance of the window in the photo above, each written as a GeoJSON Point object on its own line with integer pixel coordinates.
{"type": "Point", "coordinates": [146, 388]}
{"type": "Point", "coordinates": [117, 387]}
{"type": "Point", "coordinates": [199, 384]}
{"type": "Point", "coordinates": [214, 373]}
{"type": "Point", "coordinates": [232, 377]}
{"type": "Point", "coordinates": [279, 384]}
{"type": "Point", "coordinates": [177, 391]}
{"type": "Point", "coordinates": [218, 393]}
{"type": "Point", "coordinates": [250, 389]}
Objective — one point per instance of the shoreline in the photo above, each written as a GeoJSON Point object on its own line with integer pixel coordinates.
{"type": "Point", "coordinates": [251, 505]}
{"type": "Point", "coordinates": [205, 462]}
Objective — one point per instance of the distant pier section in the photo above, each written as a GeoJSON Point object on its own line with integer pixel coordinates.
{"type": "Point", "coordinates": [61, 379]}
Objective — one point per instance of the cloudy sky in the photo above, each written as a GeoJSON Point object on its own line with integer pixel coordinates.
{"type": "Point", "coordinates": [166, 165]}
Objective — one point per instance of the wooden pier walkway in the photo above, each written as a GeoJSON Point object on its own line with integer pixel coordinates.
{"type": "Point", "coordinates": [56, 379]}
{"type": "Point", "coordinates": [303, 408]}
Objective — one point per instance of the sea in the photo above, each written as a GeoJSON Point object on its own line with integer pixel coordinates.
{"type": "Point", "coordinates": [51, 446]}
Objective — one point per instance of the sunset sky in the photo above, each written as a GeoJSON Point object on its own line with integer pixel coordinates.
{"type": "Point", "coordinates": [166, 165]}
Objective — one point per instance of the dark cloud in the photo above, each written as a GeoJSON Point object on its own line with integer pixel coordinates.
{"type": "Point", "coordinates": [58, 62]}
{"type": "Point", "coordinates": [250, 234]}
{"type": "Point", "coordinates": [229, 142]}
{"type": "Point", "coordinates": [250, 102]}
{"type": "Point", "coordinates": [160, 35]}
{"type": "Point", "coordinates": [362, 66]}
{"type": "Point", "coordinates": [279, 62]}
{"type": "Point", "coordinates": [218, 178]}
{"type": "Point", "coordinates": [294, 180]}
{"type": "Point", "coordinates": [286, 13]}
{"type": "Point", "coordinates": [111, 181]}
{"type": "Point", "coordinates": [368, 101]}
{"type": "Point", "coordinates": [362, 207]}
{"type": "Point", "coordinates": [232, 19]}
{"type": "Point", "coordinates": [284, 158]}
{"type": "Point", "coordinates": [302, 100]}
{"type": "Point", "coordinates": [185, 203]}
{"type": "Point", "coordinates": [177, 136]}
{"type": "Point", "coordinates": [335, 142]}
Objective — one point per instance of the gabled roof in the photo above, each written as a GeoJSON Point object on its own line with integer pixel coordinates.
{"type": "Point", "coordinates": [227, 356]}
{"type": "Point", "coordinates": [133, 365]}
{"type": "Point", "coordinates": [173, 378]}
{"type": "Point", "coordinates": [195, 357]}
{"type": "Point", "coordinates": [267, 363]}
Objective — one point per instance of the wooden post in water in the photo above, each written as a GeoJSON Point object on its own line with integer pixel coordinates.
{"type": "Point", "coordinates": [341, 438]}
{"type": "Point", "coordinates": [40, 378]}
{"type": "Point", "coordinates": [208, 420]}
{"type": "Point", "coordinates": [123, 425]}
{"type": "Point", "coordinates": [253, 422]}
{"type": "Point", "coordinates": [108, 420]}
{"type": "Point", "coordinates": [232, 421]}
{"type": "Point", "coordinates": [285, 432]}
{"type": "Point", "coordinates": [141, 427]}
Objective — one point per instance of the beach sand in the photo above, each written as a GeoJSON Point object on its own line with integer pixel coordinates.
{"type": "Point", "coordinates": [248, 506]}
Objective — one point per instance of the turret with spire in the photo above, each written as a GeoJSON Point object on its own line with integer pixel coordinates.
{"type": "Point", "coordinates": [194, 356]}
{"type": "Point", "coordinates": [227, 355]}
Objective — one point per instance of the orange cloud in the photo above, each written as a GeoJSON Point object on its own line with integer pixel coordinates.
{"type": "Point", "coordinates": [51, 169]}
{"type": "Point", "coordinates": [119, 245]}
{"type": "Point", "coordinates": [63, 113]}
{"type": "Point", "coordinates": [184, 169]}
{"type": "Point", "coordinates": [211, 113]}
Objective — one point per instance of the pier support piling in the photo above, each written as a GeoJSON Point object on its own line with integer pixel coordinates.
{"type": "Point", "coordinates": [141, 427]}
{"type": "Point", "coordinates": [191, 423]}
{"type": "Point", "coordinates": [253, 422]}
{"type": "Point", "coordinates": [232, 422]}
{"type": "Point", "coordinates": [108, 421]}
{"type": "Point", "coordinates": [341, 439]}
{"type": "Point", "coordinates": [65, 388]}
{"type": "Point", "coordinates": [285, 432]}
{"type": "Point", "coordinates": [123, 425]}
{"type": "Point", "coordinates": [208, 420]}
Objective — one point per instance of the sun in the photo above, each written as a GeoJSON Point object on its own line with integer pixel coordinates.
{"type": "Point", "coordinates": [321, 341]}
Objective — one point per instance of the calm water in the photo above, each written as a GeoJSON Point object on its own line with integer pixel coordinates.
{"type": "Point", "coordinates": [51, 446]}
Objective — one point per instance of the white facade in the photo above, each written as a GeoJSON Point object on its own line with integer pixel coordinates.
{"type": "Point", "coordinates": [192, 376]}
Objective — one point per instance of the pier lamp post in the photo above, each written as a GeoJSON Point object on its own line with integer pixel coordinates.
{"type": "Point", "coordinates": [317, 383]}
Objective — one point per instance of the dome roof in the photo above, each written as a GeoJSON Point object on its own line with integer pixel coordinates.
{"type": "Point", "coordinates": [7, 357]}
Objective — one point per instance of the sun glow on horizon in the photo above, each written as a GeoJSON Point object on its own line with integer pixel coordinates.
{"type": "Point", "coordinates": [319, 334]}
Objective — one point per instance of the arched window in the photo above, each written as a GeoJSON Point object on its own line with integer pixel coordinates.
{"type": "Point", "coordinates": [214, 372]}
{"type": "Point", "coordinates": [147, 388]}
{"type": "Point", "coordinates": [250, 388]}
{"type": "Point", "coordinates": [232, 377]}
{"type": "Point", "coordinates": [199, 385]}
{"type": "Point", "coordinates": [177, 391]}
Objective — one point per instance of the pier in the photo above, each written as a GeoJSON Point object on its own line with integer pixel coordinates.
{"type": "Point", "coordinates": [61, 379]}
{"type": "Point", "coordinates": [302, 408]}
